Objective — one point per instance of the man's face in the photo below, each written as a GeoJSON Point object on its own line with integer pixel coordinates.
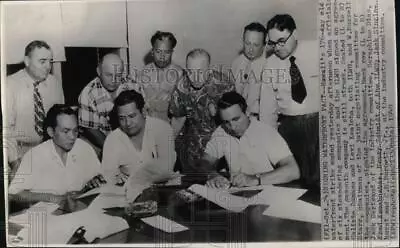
{"type": "Point", "coordinates": [131, 120]}
{"type": "Point", "coordinates": [38, 63]}
{"type": "Point", "coordinates": [253, 43]}
{"type": "Point", "coordinates": [283, 42]}
{"type": "Point", "coordinates": [162, 53]}
{"type": "Point", "coordinates": [110, 73]}
{"type": "Point", "coordinates": [65, 133]}
{"type": "Point", "coordinates": [197, 68]}
{"type": "Point", "coordinates": [234, 121]}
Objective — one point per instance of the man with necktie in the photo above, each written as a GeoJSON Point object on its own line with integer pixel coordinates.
{"type": "Point", "coordinates": [30, 93]}
{"type": "Point", "coordinates": [290, 93]}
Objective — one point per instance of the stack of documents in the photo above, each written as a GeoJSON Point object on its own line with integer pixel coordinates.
{"type": "Point", "coordinates": [282, 201]}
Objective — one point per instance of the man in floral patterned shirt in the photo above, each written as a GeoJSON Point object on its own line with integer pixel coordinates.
{"type": "Point", "coordinates": [193, 107]}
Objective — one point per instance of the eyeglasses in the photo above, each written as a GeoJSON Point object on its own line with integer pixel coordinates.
{"type": "Point", "coordinates": [280, 42]}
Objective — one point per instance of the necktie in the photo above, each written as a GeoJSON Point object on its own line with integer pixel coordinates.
{"type": "Point", "coordinates": [299, 91]}
{"type": "Point", "coordinates": [39, 109]}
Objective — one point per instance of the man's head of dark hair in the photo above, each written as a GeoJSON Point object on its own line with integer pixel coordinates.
{"type": "Point", "coordinates": [231, 98]}
{"type": "Point", "coordinates": [127, 97]}
{"type": "Point", "coordinates": [160, 35]}
{"type": "Point", "coordinates": [51, 117]}
{"type": "Point", "coordinates": [257, 27]}
{"type": "Point", "coordinates": [35, 44]}
{"type": "Point", "coordinates": [282, 22]}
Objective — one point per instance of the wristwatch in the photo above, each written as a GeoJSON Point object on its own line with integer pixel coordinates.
{"type": "Point", "coordinates": [258, 176]}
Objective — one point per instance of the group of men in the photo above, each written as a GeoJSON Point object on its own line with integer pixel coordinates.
{"type": "Point", "coordinates": [264, 121]}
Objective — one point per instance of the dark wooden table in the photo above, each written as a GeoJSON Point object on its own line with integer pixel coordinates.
{"type": "Point", "coordinates": [208, 222]}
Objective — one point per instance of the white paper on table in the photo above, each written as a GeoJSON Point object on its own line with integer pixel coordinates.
{"type": "Point", "coordinates": [103, 225]}
{"type": "Point", "coordinates": [40, 207]}
{"type": "Point", "coordinates": [59, 229]}
{"type": "Point", "coordinates": [164, 224]}
{"type": "Point", "coordinates": [107, 201]}
{"type": "Point", "coordinates": [110, 189]}
{"type": "Point", "coordinates": [221, 197]}
{"type": "Point", "coordinates": [295, 210]}
{"type": "Point", "coordinates": [271, 195]}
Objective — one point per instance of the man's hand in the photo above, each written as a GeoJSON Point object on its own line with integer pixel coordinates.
{"type": "Point", "coordinates": [243, 180]}
{"type": "Point", "coordinates": [95, 182]}
{"type": "Point", "coordinates": [218, 182]}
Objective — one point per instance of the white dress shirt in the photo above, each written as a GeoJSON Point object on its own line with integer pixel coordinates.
{"type": "Point", "coordinates": [19, 114]}
{"type": "Point", "coordinates": [259, 149]}
{"type": "Point", "coordinates": [43, 171]}
{"type": "Point", "coordinates": [247, 76]}
{"type": "Point", "coordinates": [276, 95]}
{"type": "Point", "coordinates": [157, 149]}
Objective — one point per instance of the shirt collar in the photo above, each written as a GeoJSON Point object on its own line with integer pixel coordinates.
{"type": "Point", "coordinates": [55, 155]}
{"type": "Point", "coordinates": [30, 81]}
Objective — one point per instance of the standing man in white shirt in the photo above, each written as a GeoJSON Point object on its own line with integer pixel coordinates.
{"type": "Point", "coordinates": [247, 67]}
{"type": "Point", "coordinates": [290, 93]}
{"type": "Point", "coordinates": [58, 167]}
{"type": "Point", "coordinates": [30, 93]}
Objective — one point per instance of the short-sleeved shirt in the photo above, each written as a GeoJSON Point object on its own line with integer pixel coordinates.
{"type": "Point", "coordinates": [42, 170]}
{"type": "Point", "coordinates": [259, 149]}
{"type": "Point", "coordinates": [158, 145]}
{"type": "Point", "coordinates": [198, 106]}
{"type": "Point", "coordinates": [157, 86]}
{"type": "Point", "coordinates": [96, 104]}
{"type": "Point", "coordinates": [20, 112]}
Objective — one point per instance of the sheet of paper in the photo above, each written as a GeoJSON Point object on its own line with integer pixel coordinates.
{"type": "Point", "coordinates": [164, 224]}
{"type": "Point", "coordinates": [271, 195]}
{"type": "Point", "coordinates": [105, 189]}
{"type": "Point", "coordinates": [107, 201]}
{"type": "Point", "coordinates": [43, 207]}
{"type": "Point", "coordinates": [61, 228]}
{"type": "Point", "coordinates": [221, 197]}
{"type": "Point", "coordinates": [295, 210]}
{"type": "Point", "coordinates": [102, 225]}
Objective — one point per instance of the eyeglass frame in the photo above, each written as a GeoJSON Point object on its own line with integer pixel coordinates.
{"type": "Point", "coordinates": [281, 43]}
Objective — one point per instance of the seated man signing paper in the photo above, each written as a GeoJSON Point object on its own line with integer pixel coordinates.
{"type": "Point", "coordinates": [255, 152]}
{"type": "Point", "coordinates": [54, 170]}
{"type": "Point", "coordinates": [142, 145]}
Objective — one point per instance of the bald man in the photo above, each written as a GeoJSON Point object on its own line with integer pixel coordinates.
{"type": "Point", "coordinates": [97, 100]}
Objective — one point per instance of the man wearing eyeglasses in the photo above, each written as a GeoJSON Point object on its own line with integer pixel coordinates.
{"type": "Point", "coordinates": [247, 67]}
{"type": "Point", "coordinates": [159, 77]}
{"type": "Point", "coordinates": [290, 93]}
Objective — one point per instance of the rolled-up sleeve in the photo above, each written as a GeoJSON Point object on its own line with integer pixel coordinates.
{"type": "Point", "coordinates": [25, 176]}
